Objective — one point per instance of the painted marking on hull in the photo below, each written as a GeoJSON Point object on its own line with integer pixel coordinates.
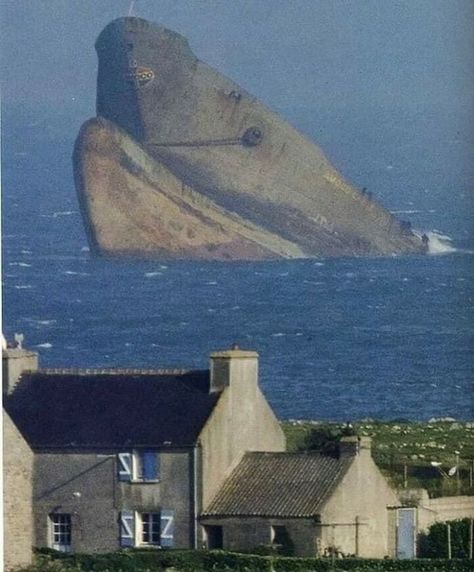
{"type": "Point", "coordinates": [140, 76]}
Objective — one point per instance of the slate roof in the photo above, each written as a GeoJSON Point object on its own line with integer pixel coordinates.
{"type": "Point", "coordinates": [74, 409]}
{"type": "Point", "coordinates": [279, 485]}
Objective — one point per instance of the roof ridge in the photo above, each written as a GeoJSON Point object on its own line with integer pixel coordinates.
{"type": "Point", "coordinates": [309, 453]}
{"type": "Point", "coordinates": [115, 371]}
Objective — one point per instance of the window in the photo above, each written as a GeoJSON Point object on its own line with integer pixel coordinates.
{"type": "Point", "coordinates": [139, 466]}
{"type": "Point", "coordinates": [147, 528]}
{"type": "Point", "coordinates": [61, 529]}
{"type": "Point", "coordinates": [215, 537]}
{"type": "Point", "coordinates": [150, 528]}
{"type": "Point", "coordinates": [281, 537]}
{"type": "Point", "coordinates": [146, 463]}
{"type": "Point", "coordinates": [278, 534]}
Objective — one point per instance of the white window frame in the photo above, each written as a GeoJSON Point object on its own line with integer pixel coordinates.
{"type": "Point", "coordinates": [154, 522]}
{"type": "Point", "coordinates": [61, 531]}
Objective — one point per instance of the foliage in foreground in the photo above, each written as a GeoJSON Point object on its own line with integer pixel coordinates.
{"type": "Point", "coordinates": [434, 543]}
{"type": "Point", "coordinates": [221, 561]}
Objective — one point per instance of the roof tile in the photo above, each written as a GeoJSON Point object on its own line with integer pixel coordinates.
{"type": "Point", "coordinates": [111, 410]}
{"type": "Point", "coordinates": [279, 485]}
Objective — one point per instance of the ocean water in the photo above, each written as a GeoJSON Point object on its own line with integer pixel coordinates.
{"type": "Point", "coordinates": [338, 339]}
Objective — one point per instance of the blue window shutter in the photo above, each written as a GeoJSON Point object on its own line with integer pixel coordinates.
{"type": "Point", "coordinates": [125, 466]}
{"type": "Point", "coordinates": [150, 465]}
{"type": "Point", "coordinates": [167, 528]}
{"type": "Point", "coordinates": [127, 528]}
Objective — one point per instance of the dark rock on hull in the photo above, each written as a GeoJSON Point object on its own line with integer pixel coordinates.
{"type": "Point", "coordinates": [273, 192]}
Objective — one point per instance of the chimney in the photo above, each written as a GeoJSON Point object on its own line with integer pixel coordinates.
{"type": "Point", "coordinates": [15, 361]}
{"type": "Point", "coordinates": [234, 366]}
{"type": "Point", "coordinates": [354, 446]}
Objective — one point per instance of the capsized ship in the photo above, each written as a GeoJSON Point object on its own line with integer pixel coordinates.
{"type": "Point", "coordinates": [181, 162]}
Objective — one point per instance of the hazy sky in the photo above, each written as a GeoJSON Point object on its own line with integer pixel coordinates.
{"type": "Point", "coordinates": [291, 53]}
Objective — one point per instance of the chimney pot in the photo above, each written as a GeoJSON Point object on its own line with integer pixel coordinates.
{"type": "Point", "coordinates": [353, 446]}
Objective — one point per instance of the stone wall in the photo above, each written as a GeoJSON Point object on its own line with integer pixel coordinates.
{"type": "Point", "coordinates": [246, 533]}
{"type": "Point", "coordinates": [86, 486]}
{"type": "Point", "coordinates": [17, 497]}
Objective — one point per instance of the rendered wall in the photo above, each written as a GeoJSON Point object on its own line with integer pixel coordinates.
{"type": "Point", "coordinates": [17, 497]}
{"type": "Point", "coordinates": [241, 421]}
{"type": "Point", "coordinates": [59, 477]}
{"type": "Point", "coordinates": [443, 509]}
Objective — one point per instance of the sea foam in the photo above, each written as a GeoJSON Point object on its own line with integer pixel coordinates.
{"type": "Point", "coordinates": [440, 243]}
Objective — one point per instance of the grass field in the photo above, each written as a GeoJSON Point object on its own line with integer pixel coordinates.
{"type": "Point", "coordinates": [404, 450]}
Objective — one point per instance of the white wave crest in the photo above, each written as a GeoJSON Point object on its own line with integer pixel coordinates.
{"type": "Point", "coordinates": [40, 322]}
{"type": "Point", "coordinates": [22, 264]}
{"type": "Point", "coordinates": [440, 243]}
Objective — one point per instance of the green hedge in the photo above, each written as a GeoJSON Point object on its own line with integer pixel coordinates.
{"type": "Point", "coordinates": [221, 561]}
{"type": "Point", "coordinates": [434, 543]}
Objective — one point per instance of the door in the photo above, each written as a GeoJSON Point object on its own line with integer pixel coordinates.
{"type": "Point", "coordinates": [215, 537]}
{"type": "Point", "coordinates": [406, 533]}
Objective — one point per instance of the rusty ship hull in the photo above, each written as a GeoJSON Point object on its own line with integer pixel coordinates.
{"type": "Point", "coordinates": [181, 162]}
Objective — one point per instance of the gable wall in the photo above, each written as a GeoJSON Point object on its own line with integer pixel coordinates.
{"type": "Point", "coordinates": [363, 494]}
{"type": "Point", "coordinates": [241, 421]}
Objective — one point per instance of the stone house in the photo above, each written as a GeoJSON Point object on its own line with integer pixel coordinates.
{"type": "Point", "coordinates": [130, 457]}
{"type": "Point", "coordinates": [97, 460]}
{"type": "Point", "coordinates": [316, 504]}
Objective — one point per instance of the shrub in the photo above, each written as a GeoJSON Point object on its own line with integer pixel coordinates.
{"type": "Point", "coordinates": [222, 561]}
{"type": "Point", "coordinates": [434, 543]}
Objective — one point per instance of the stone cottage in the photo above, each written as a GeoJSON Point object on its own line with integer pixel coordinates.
{"type": "Point", "coordinates": [314, 504]}
{"type": "Point", "coordinates": [131, 457]}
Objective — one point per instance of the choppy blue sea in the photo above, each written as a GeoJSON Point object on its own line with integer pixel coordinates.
{"type": "Point", "coordinates": [338, 338]}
